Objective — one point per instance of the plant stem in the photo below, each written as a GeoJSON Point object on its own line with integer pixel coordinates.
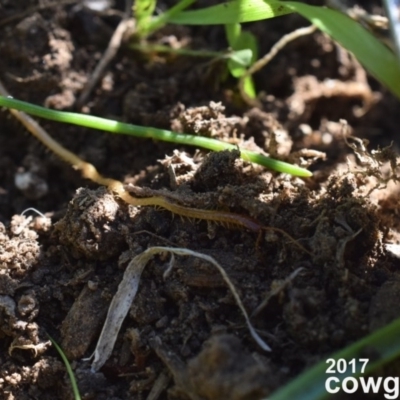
{"type": "Point", "coordinates": [112, 126]}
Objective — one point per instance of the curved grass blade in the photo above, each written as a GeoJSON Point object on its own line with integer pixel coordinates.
{"type": "Point", "coordinates": [372, 54]}
{"type": "Point", "coordinates": [71, 375]}
{"type": "Point", "coordinates": [384, 344]}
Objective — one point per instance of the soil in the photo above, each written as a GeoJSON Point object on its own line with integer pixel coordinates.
{"type": "Point", "coordinates": [185, 337]}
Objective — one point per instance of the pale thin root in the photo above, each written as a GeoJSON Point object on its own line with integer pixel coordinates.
{"type": "Point", "coordinates": [127, 289]}
{"type": "Point", "coordinates": [34, 210]}
{"type": "Point", "coordinates": [276, 291]}
{"type": "Point", "coordinates": [162, 239]}
{"type": "Point", "coordinates": [262, 62]}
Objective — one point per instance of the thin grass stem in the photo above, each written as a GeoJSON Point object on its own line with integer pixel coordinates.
{"type": "Point", "coordinates": [90, 121]}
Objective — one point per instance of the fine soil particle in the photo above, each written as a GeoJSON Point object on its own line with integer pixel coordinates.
{"type": "Point", "coordinates": [317, 276]}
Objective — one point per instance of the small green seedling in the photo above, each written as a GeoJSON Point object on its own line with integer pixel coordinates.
{"type": "Point", "coordinates": [68, 367]}
{"type": "Point", "coordinates": [377, 59]}
{"type": "Point", "coordinates": [372, 54]}
{"type": "Point", "coordinates": [245, 49]}
{"type": "Point", "coordinates": [243, 45]}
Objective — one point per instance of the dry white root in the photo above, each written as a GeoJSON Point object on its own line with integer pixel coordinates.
{"type": "Point", "coordinates": [126, 293]}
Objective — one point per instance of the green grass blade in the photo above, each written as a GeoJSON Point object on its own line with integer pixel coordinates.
{"type": "Point", "coordinates": [71, 375]}
{"type": "Point", "coordinates": [234, 11]}
{"type": "Point", "coordinates": [164, 18]}
{"type": "Point", "coordinates": [384, 344]}
{"type": "Point", "coordinates": [372, 54]}
{"type": "Point", "coordinates": [103, 124]}
{"type": "Point", "coordinates": [245, 42]}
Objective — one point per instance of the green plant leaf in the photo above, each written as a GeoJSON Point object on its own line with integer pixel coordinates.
{"type": "Point", "coordinates": [143, 10]}
{"type": "Point", "coordinates": [232, 32]}
{"type": "Point", "coordinates": [243, 57]}
{"type": "Point", "coordinates": [372, 54]}
{"type": "Point", "coordinates": [234, 11]}
{"type": "Point", "coordinates": [244, 45]}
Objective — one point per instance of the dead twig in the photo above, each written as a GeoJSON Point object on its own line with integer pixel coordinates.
{"type": "Point", "coordinates": [111, 51]}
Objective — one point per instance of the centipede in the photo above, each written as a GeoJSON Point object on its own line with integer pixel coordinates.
{"type": "Point", "coordinates": [90, 172]}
